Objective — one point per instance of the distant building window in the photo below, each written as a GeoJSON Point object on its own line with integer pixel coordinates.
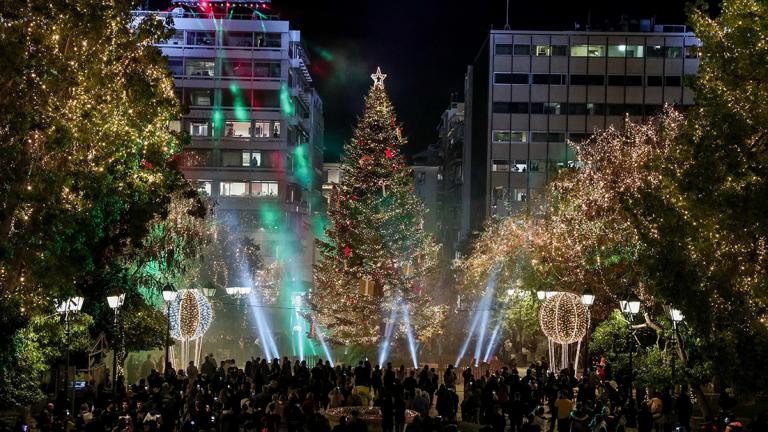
{"type": "Point", "coordinates": [692, 51]}
{"type": "Point", "coordinates": [673, 81]}
{"type": "Point", "coordinates": [509, 136]}
{"type": "Point", "coordinates": [268, 40]}
{"type": "Point", "coordinates": [200, 67]}
{"type": "Point", "coordinates": [654, 51]}
{"type": "Point", "coordinates": [595, 80]}
{"type": "Point", "coordinates": [579, 137]}
{"type": "Point", "coordinates": [233, 189]}
{"type": "Point", "coordinates": [499, 165]}
{"type": "Point", "coordinates": [204, 186]}
{"type": "Point", "coordinates": [200, 97]}
{"type": "Point", "coordinates": [503, 49]}
{"type": "Point", "coordinates": [198, 128]}
{"type": "Point", "coordinates": [519, 195]}
{"type": "Point", "coordinates": [238, 39]}
{"type": "Point", "coordinates": [654, 80]}
{"type": "Point", "coordinates": [264, 189]}
{"type": "Point", "coordinates": [559, 50]}
{"type": "Point", "coordinates": [510, 78]}
{"type": "Point", "coordinates": [588, 51]}
{"type": "Point", "coordinates": [543, 50]}
{"type": "Point", "coordinates": [674, 52]}
{"type": "Point", "coordinates": [552, 79]}
{"type": "Point", "coordinates": [237, 129]}
{"type": "Point", "coordinates": [588, 108]}
{"type": "Point", "coordinates": [547, 136]}
{"type": "Point", "coordinates": [202, 38]}
{"type": "Point", "coordinates": [629, 51]}
{"type": "Point", "coordinates": [510, 107]}
{"type": "Point", "coordinates": [522, 50]}
{"type": "Point", "coordinates": [625, 80]}
{"type": "Point", "coordinates": [251, 158]}
{"type": "Point", "coordinates": [266, 70]}
{"type": "Point", "coordinates": [176, 65]}
{"type": "Point", "coordinates": [547, 108]}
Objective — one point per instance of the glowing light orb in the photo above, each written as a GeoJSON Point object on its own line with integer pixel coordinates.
{"type": "Point", "coordinates": [563, 318]}
{"type": "Point", "coordinates": [190, 315]}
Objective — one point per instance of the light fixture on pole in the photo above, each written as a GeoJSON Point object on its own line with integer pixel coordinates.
{"type": "Point", "coordinates": [67, 307]}
{"type": "Point", "coordinates": [209, 291]}
{"type": "Point", "coordinates": [630, 307]}
{"type": "Point", "coordinates": [587, 299]}
{"type": "Point", "coordinates": [676, 316]}
{"type": "Point", "coordinates": [115, 301]}
{"type": "Point", "coordinates": [169, 295]}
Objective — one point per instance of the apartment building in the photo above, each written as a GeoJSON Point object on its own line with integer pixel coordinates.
{"type": "Point", "coordinates": [255, 121]}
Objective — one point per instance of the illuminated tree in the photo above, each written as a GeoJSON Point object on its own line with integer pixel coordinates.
{"type": "Point", "coordinates": [376, 256]}
{"type": "Point", "coordinates": [704, 224]}
{"type": "Point", "coordinates": [85, 102]}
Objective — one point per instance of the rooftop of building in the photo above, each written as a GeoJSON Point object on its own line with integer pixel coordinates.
{"type": "Point", "coordinates": [259, 10]}
{"type": "Point", "coordinates": [642, 27]}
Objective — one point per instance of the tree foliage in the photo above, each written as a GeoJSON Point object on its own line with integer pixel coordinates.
{"type": "Point", "coordinates": [85, 101]}
{"type": "Point", "coordinates": [704, 224]}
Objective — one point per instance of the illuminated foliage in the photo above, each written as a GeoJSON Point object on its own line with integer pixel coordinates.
{"type": "Point", "coordinates": [374, 235]}
{"type": "Point", "coordinates": [85, 102]}
{"type": "Point", "coordinates": [704, 224]}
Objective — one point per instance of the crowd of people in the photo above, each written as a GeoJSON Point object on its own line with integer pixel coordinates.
{"type": "Point", "coordinates": [271, 396]}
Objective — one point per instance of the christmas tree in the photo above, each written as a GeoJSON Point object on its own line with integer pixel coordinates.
{"type": "Point", "coordinates": [376, 258]}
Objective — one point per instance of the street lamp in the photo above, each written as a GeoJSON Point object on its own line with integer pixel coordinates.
{"type": "Point", "coordinates": [169, 295]}
{"type": "Point", "coordinates": [66, 307]}
{"type": "Point", "coordinates": [208, 291]}
{"type": "Point", "coordinates": [115, 302]}
{"type": "Point", "coordinates": [542, 295]}
{"type": "Point", "coordinates": [630, 307]}
{"type": "Point", "coordinates": [587, 299]}
{"type": "Point", "coordinates": [676, 316]}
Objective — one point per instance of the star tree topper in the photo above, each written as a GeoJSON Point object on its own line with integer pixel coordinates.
{"type": "Point", "coordinates": [378, 78]}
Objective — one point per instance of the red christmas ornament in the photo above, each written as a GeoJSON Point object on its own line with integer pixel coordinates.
{"type": "Point", "coordinates": [347, 251]}
{"type": "Point", "coordinates": [391, 121]}
{"type": "Point", "coordinates": [146, 164]}
{"type": "Point", "coordinates": [388, 153]}
{"type": "Point", "coordinates": [353, 197]}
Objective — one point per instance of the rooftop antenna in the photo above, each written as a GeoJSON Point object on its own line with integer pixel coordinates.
{"type": "Point", "coordinates": [506, 25]}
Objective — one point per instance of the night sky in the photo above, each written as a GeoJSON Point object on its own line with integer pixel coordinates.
{"type": "Point", "coordinates": [424, 46]}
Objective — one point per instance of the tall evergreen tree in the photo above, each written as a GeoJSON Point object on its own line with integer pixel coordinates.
{"type": "Point", "coordinates": [376, 258]}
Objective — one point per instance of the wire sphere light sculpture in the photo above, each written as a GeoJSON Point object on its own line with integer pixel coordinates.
{"type": "Point", "coordinates": [563, 318]}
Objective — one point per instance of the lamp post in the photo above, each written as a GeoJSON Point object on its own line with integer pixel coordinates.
{"type": "Point", "coordinates": [676, 316]}
{"type": "Point", "coordinates": [68, 306]}
{"type": "Point", "coordinates": [169, 295]}
{"type": "Point", "coordinates": [115, 302]}
{"type": "Point", "coordinates": [587, 299]}
{"type": "Point", "coordinates": [630, 307]}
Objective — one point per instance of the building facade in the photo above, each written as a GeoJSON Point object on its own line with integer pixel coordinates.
{"type": "Point", "coordinates": [529, 93]}
{"type": "Point", "coordinates": [255, 122]}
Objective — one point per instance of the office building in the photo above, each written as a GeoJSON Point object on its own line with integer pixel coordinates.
{"type": "Point", "coordinates": [528, 93]}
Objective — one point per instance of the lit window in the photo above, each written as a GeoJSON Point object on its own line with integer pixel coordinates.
{"type": "Point", "coordinates": [200, 68]}
{"type": "Point", "coordinates": [499, 165]}
{"type": "Point", "coordinates": [588, 51]}
{"type": "Point", "coordinates": [543, 50]}
{"type": "Point", "coordinates": [520, 166]}
{"type": "Point", "coordinates": [519, 194]}
{"type": "Point", "coordinates": [625, 51]}
{"type": "Point", "coordinates": [251, 158]}
{"type": "Point", "coordinates": [204, 186]}
{"type": "Point", "coordinates": [276, 129]}
{"type": "Point", "coordinates": [264, 188]}
{"type": "Point", "coordinates": [509, 136]}
{"type": "Point", "coordinates": [233, 189]}
{"type": "Point", "coordinates": [261, 129]}
{"type": "Point", "coordinates": [197, 128]}
{"type": "Point", "coordinates": [237, 129]}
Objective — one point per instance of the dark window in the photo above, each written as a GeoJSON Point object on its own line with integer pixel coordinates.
{"type": "Point", "coordinates": [555, 79]}
{"type": "Point", "coordinates": [548, 136]}
{"type": "Point", "coordinates": [633, 109]}
{"type": "Point", "coordinates": [651, 110]}
{"type": "Point", "coordinates": [672, 81]}
{"type": "Point", "coordinates": [267, 70]}
{"type": "Point", "coordinates": [654, 51]}
{"type": "Point", "coordinates": [577, 108]}
{"type": "Point", "coordinates": [547, 108]}
{"type": "Point", "coordinates": [587, 80]}
{"type": "Point", "coordinates": [578, 137]}
{"type": "Point", "coordinates": [560, 50]}
{"type": "Point", "coordinates": [510, 78]}
{"type": "Point", "coordinates": [510, 107]}
{"type": "Point", "coordinates": [266, 99]}
{"type": "Point", "coordinates": [503, 49]}
{"type": "Point", "coordinates": [654, 81]}
{"type": "Point", "coordinates": [625, 80]}
{"type": "Point", "coordinates": [522, 50]}
{"type": "Point", "coordinates": [238, 68]}
{"type": "Point", "coordinates": [176, 65]}
{"type": "Point", "coordinates": [674, 52]}
{"type": "Point", "coordinates": [236, 97]}
{"type": "Point", "coordinates": [615, 109]}
{"type": "Point", "coordinates": [692, 51]}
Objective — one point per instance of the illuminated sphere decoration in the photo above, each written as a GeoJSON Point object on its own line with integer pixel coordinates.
{"type": "Point", "coordinates": [563, 318]}
{"type": "Point", "coordinates": [190, 315]}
